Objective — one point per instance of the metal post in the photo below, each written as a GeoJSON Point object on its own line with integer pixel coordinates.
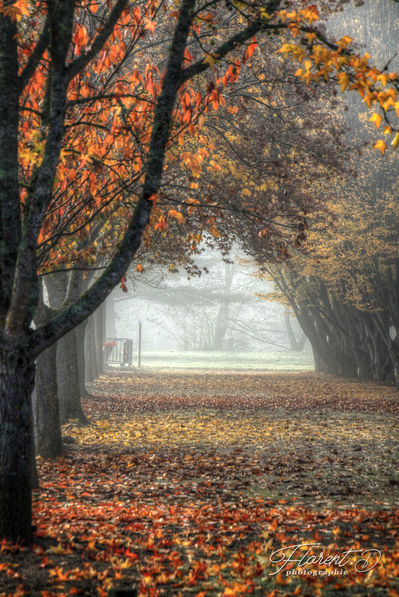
{"type": "Point", "coordinates": [139, 347]}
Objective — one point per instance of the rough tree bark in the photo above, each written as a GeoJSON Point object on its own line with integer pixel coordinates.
{"type": "Point", "coordinates": [17, 370]}
{"type": "Point", "coordinates": [80, 332]}
{"type": "Point", "coordinates": [99, 334]}
{"type": "Point", "coordinates": [46, 412]}
{"type": "Point", "coordinates": [68, 380]}
{"type": "Point", "coordinates": [47, 418]}
{"type": "Point", "coordinates": [17, 377]}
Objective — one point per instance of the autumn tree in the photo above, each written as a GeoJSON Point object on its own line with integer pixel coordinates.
{"type": "Point", "coordinates": [190, 207]}
{"type": "Point", "coordinates": [77, 114]}
{"type": "Point", "coordinates": [219, 157]}
{"type": "Point", "coordinates": [342, 283]}
{"type": "Point", "coordinates": [60, 57]}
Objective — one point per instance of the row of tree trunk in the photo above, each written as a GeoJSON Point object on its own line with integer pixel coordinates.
{"type": "Point", "coordinates": [346, 341]}
{"type": "Point", "coordinates": [63, 370]}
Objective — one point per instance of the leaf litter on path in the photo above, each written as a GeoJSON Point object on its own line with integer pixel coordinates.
{"type": "Point", "coordinates": [185, 484]}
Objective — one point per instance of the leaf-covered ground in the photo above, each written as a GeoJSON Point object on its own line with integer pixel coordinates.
{"type": "Point", "coordinates": [185, 484]}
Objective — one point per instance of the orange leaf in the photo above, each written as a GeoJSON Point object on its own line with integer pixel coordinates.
{"type": "Point", "coordinates": [381, 145]}
{"type": "Point", "coordinates": [281, 580]}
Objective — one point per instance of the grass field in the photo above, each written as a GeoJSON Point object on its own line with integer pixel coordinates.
{"type": "Point", "coordinates": [283, 360]}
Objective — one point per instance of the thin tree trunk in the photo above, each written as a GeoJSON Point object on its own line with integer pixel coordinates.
{"type": "Point", "coordinates": [89, 376]}
{"type": "Point", "coordinates": [68, 380]}
{"type": "Point", "coordinates": [295, 345]}
{"type": "Point", "coordinates": [221, 324]}
{"type": "Point", "coordinates": [91, 349]}
{"type": "Point", "coordinates": [80, 353]}
{"type": "Point", "coordinates": [47, 418]}
{"type": "Point", "coordinates": [223, 316]}
{"type": "Point", "coordinates": [99, 334]}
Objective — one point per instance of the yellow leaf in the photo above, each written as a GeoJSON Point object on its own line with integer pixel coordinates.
{"type": "Point", "coordinates": [56, 549]}
{"type": "Point", "coordinates": [307, 64]}
{"type": "Point", "coordinates": [308, 77]}
{"type": "Point", "coordinates": [388, 103]}
{"type": "Point", "coordinates": [381, 145]}
{"type": "Point", "coordinates": [383, 78]}
{"type": "Point", "coordinates": [368, 100]}
{"type": "Point", "coordinates": [376, 118]}
{"type": "Point", "coordinates": [343, 81]}
{"type": "Point", "coordinates": [211, 59]}
{"type": "Point", "coordinates": [286, 49]}
{"type": "Point", "coordinates": [395, 142]}
{"type": "Point", "coordinates": [310, 36]}
{"type": "Point", "coordinates": [344, 41]}
{"type": "Point", "coordinates": [173, 213]}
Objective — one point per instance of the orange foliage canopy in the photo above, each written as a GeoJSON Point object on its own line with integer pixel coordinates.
{"type": "Point", "coordinates": [110, 109]}
{"type": "Point", "coordinates": [321, 59]}
{"type": "Point", "coordinates": [109, 115]}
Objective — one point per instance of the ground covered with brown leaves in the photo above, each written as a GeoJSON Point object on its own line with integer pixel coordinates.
{"type": "Point", "coordinates": [188, 484]}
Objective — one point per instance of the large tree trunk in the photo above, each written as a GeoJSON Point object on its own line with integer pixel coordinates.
{"type": "Point", "coordinates": [47, 418]}
{"type": "Point", "coordinates": [46, 412]}
{"type": "Point", "coordinates": [319, 364]}
{"type": "Point", "coordinates": [68, 380]}
{"type": "Point", "coordinates": [17, 376]}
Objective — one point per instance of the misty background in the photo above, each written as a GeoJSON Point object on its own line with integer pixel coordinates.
{"type": "Point", "coordinates": [226, 317]}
